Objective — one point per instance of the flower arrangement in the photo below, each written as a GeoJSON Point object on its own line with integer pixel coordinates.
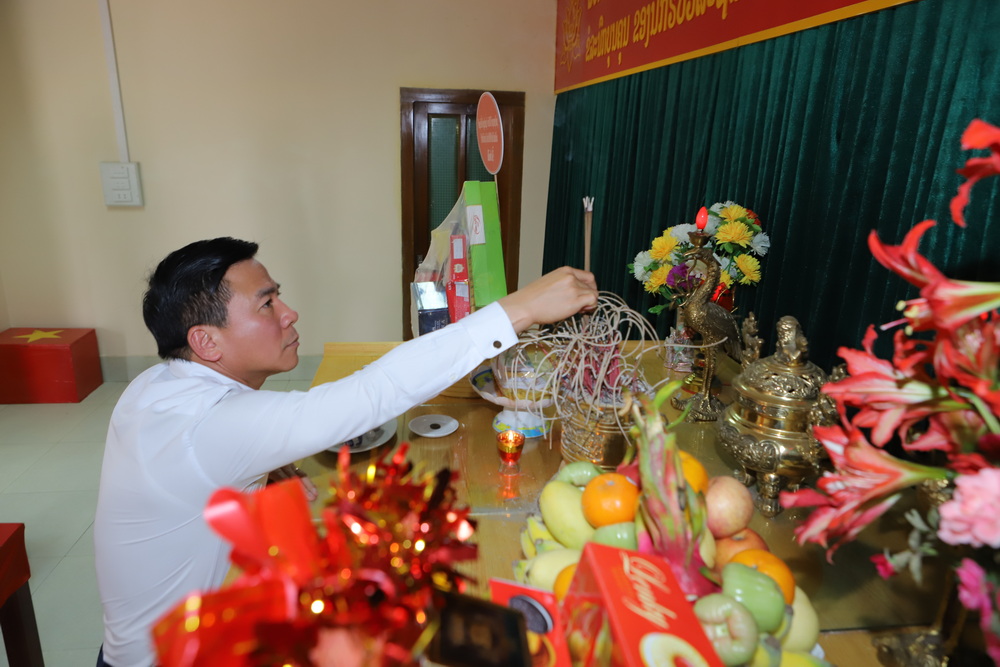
{"type": "Point", "coordinates": [939, 395]}
{"type": "Point", "coordinates": [736, 238]}
{"type": "Point", "coordinates": [361, 589]}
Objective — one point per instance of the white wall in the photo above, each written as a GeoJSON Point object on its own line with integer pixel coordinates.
{"type": "Point", "coordinates": [271, 120]}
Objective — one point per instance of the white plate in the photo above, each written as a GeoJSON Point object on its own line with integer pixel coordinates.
{"type": "Point", "coordinates": [433, 426]}
{"type": "Point", "coordinates": [373, 438]}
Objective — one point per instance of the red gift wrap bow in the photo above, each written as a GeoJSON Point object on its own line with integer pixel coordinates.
{"type": "Point", "coordinates": [389, 541]}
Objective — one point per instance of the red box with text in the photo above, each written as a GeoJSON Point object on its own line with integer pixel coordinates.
{"type": "Point", "coordinates": [625, 609]}
{"type": "Point", "coordinates": [48, 365]}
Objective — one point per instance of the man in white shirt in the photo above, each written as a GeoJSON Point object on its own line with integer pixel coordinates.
{"type": "Point", "coordinates": [197, 422]}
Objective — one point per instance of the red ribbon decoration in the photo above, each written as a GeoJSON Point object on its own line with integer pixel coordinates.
{"type": "Point", "coordinates": [388, 542]}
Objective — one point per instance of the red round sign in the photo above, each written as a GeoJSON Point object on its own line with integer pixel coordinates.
{"type": "Point", "coordinates": [489, 133]}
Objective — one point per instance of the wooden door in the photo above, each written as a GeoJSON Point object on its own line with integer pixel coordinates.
{"type": "Point", "coordinates": [438, 153]}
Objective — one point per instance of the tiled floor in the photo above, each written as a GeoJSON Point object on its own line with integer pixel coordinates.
{"type": "Point", "coordinates": [50, 465]}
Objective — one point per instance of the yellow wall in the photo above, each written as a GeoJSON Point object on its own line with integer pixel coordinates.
{"type": "Point", "coordinates": [271, 120]}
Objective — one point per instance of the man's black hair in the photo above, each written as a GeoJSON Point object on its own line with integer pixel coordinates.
{"type": "Point", "coordinates": [188, 289]}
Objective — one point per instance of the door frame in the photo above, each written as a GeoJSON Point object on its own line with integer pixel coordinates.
{"type": "Point", "coordinates": [414, 105]}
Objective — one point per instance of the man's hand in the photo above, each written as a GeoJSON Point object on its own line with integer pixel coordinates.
{"type": "Point", "coordinates": [552, 298]}
{"type": "Point", "coordinates": [291, 470]}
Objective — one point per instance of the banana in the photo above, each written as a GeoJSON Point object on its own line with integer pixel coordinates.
{"type": "Point", "coordinates": [537, 529]}
{"type": "Point", "coordinates": [563, 515]}
{"type": "Point", "coordinates": [543, 569]}
{"type": "Point", "coordinates": [541, 546]}
{"type": "Point", "coordinates": [527, 544]}
{"type": "Point", "coordinates": [521, 571]}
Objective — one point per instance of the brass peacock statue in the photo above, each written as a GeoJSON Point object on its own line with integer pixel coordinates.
{"type": "Point", "coordinates": [717, 328]}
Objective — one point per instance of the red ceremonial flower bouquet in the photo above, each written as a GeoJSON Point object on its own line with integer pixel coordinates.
{"type": "Point", "coordinates": [939, 395]}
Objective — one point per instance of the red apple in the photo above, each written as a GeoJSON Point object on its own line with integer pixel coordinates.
{"type": "Point", "coordinates": [727, 547]}
{"type": "Point", "coordinates": [729, 505]}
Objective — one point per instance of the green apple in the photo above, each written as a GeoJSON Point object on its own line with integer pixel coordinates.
{"type": "Point", "coordinates": [578, 473]}
{"type": "Point", "coordinates": [758, 593]}
{"type": "Point", "coordinates": [620, 535]}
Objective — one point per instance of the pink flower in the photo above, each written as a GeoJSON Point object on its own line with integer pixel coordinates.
{"type": "Point", "coordinates": [973, 589]}
{"type": "Point", "coordinates": [883, 566]}
{"type": "Point", "coordinates": [972, 516]}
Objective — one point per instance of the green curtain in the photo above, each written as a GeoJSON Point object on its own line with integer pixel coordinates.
{"type": "Point", "coordinates": [826, 134]}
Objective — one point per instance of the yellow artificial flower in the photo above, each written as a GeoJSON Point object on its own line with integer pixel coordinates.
{"type": "Point", "coordinates": [726, 279]}
{"type": "Point", "coordinates": [663, 247]}
{"type": "Point", "coordinates": [734, 232]}
{"type": "Point", "coordinates": [657, 279]}
{"type": "Point", "coordinates": [749, 267]}
{"type": "Point", "coordinates": [733, 213]}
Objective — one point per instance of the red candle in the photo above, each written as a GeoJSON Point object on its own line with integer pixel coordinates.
{"type": "Point", "coordinates": [701, 219]}
{"type": "Point", "coordinates": [509, 445]}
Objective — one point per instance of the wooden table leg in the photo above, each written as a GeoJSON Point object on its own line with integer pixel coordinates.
{"type": "Point", "coordinates": [20, 632]}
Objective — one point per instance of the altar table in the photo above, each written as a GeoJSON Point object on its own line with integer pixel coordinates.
{"type": "Point", "coordinates": [851, 601]}
{"type": "Point", "coordinates": [17, 614]}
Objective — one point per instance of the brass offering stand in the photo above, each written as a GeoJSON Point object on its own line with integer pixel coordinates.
{"type": "Point", "coordinates": [768, 428]}
{"type": "Point", "coordinates": [717, 328]}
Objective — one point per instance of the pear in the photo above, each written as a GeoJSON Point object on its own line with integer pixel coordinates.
{"type": "Point", "coordinates": [563, 515]}
{"type": "Point", "coordinates": [803, 631]}
{"type": "Point", "coordinates": [543, 569]}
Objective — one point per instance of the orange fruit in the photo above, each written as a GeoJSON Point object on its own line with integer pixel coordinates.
{"type": "Point", "coordinates": [771, 565]}
{"type": "Point", "coordinates": [563, 580]}
{"type": "Point", "coordinates": [610, 497]}
{"type": "Point", "coordinates": [694, 472]}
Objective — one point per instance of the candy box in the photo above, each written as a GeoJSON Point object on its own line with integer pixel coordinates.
{"type": "Point", "coordinates": [626, 609]}
{"type": "Point", "coordinates": [543, 620]}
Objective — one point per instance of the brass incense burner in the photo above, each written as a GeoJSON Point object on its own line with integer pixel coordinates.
{"type": "Point", "coordinates": [767, 429]}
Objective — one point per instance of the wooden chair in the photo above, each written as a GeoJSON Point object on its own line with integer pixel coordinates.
{"type": "Point", "coordinates": [17, 614]}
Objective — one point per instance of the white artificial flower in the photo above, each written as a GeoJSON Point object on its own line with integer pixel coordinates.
{"type": "Point", "coordinates": [640, 268]}
{"type": "Point", "coordinates": [680, 232]}
{"type": "Point", "coordinates": [760, 244]}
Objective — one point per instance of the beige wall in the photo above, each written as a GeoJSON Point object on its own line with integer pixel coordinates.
{"type": "Point", "coordinates": [272, 120]}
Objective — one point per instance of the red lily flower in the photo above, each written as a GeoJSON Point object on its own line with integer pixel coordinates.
{"type": "Point", "coordinates": [970, 357]}
{"type": "Point", "coordinates": [890, 400]}
{"type": "Point", "coordinates": [865, 482]}
{"type": "Point", "coordinates": [955, 302]}
{"type": "Point", "coordinates": [904, 260]}
{"type": "Point", "coordinates": [979, 134]}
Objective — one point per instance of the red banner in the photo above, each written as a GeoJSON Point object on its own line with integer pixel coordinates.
{"type": "Point", "coordinates": [597, 40]}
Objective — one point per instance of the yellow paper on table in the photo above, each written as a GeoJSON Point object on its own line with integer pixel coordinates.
{"type": "Point", "coordinates": [489, 279]}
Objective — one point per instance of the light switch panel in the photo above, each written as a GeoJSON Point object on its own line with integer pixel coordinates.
{"type": "Point", "coordinates": [120, 181]}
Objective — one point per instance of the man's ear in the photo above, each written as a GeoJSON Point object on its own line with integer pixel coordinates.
{"type": "Point", "coordinates": [203, 343]}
